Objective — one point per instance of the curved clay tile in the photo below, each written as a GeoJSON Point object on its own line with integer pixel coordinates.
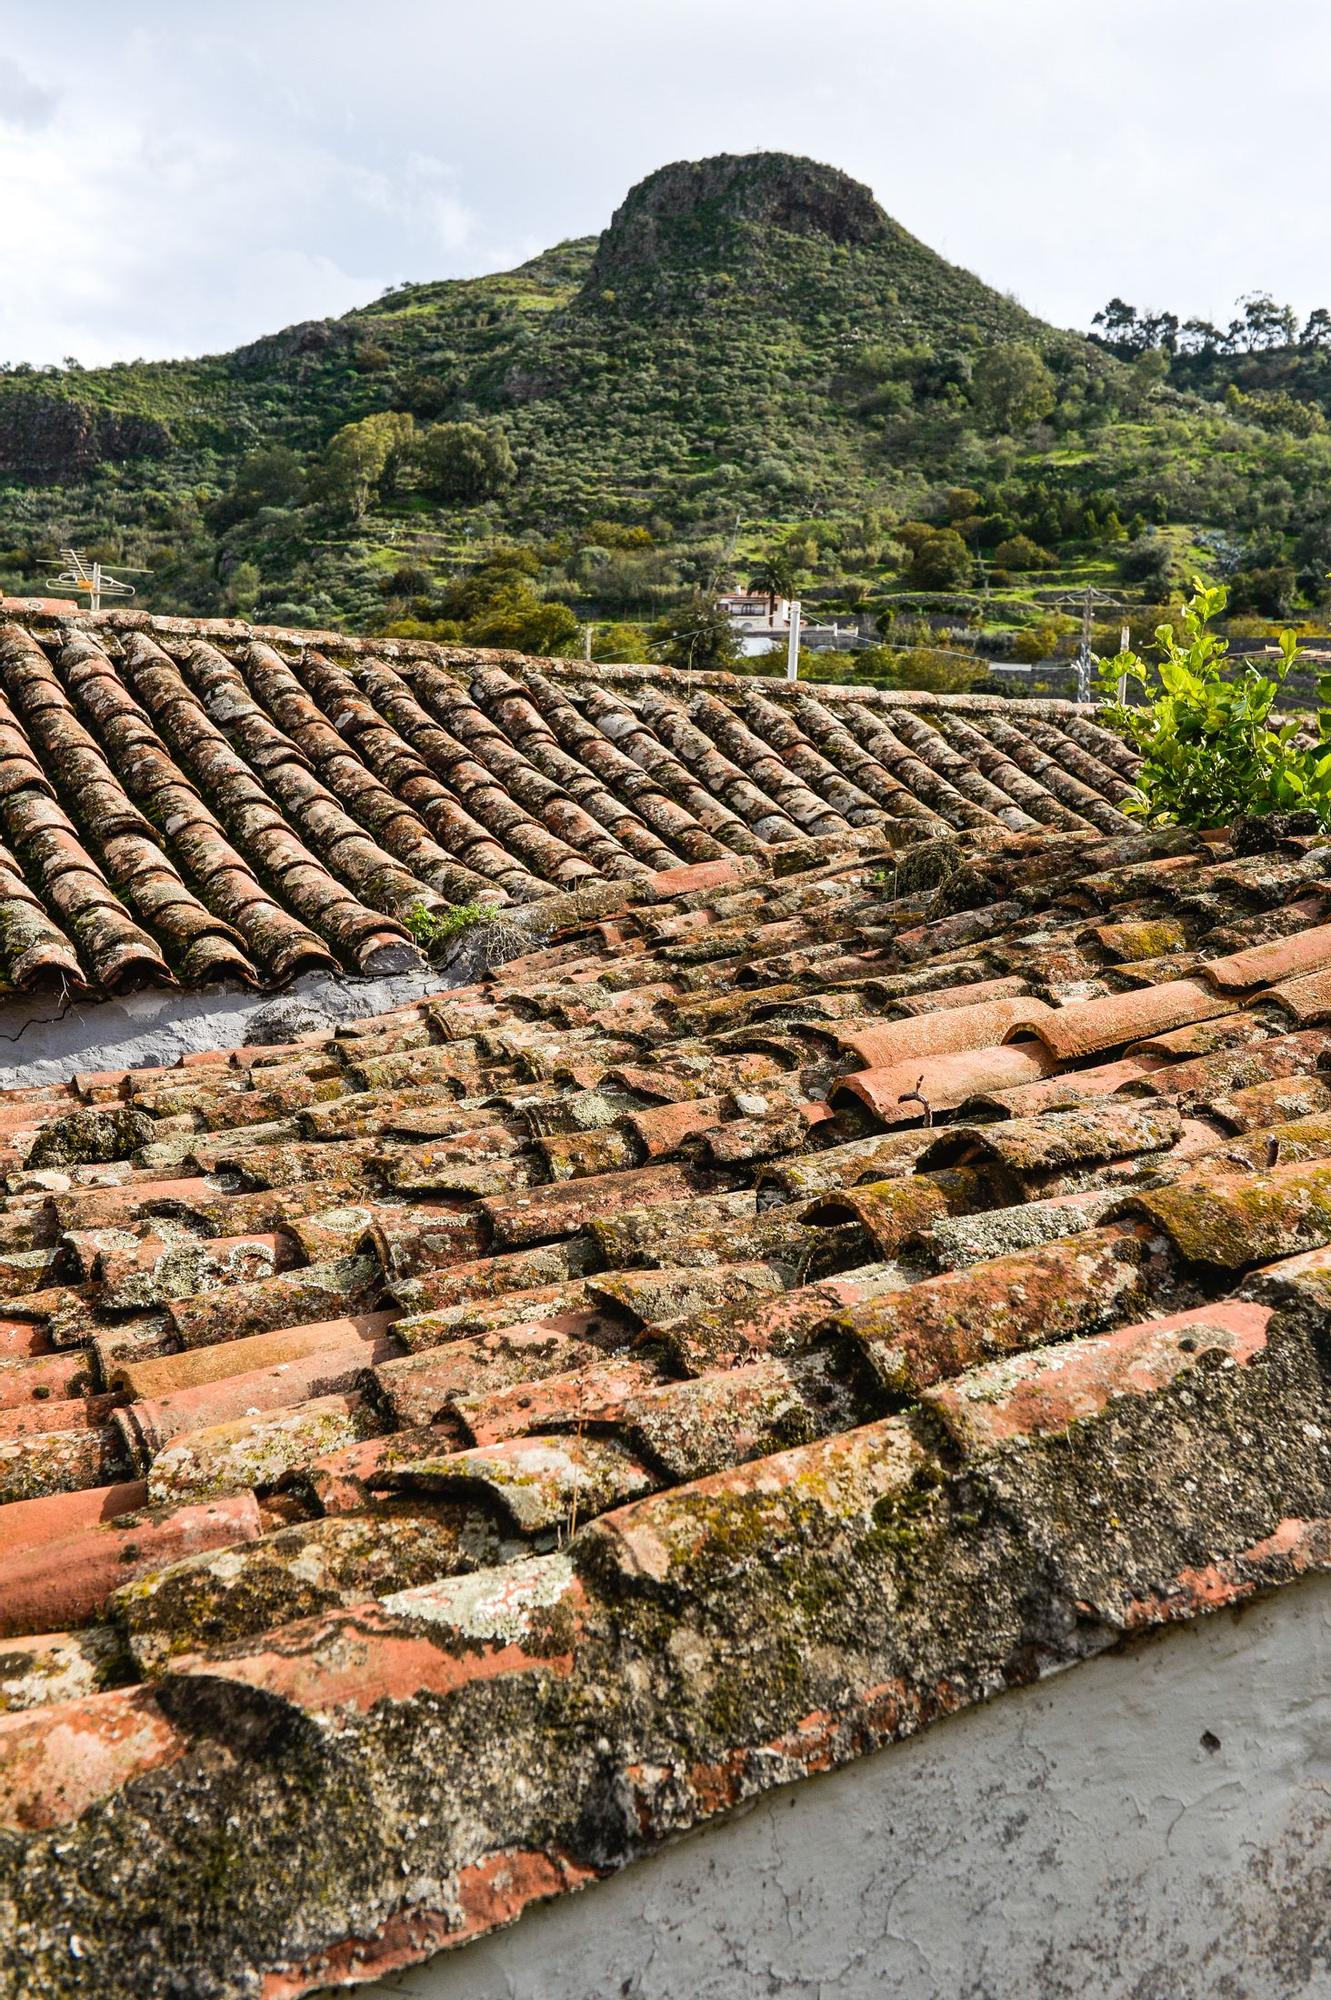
{"type": "Point", "coordinates": [363, 935]}
{"type": "Point", "coordinates": [780, 731]}
{"type": "Point", "coordinates": [1000, 770]}
{"type": "Point", "coordinates": [1093, 770]}
{"type": "Point", "coordinates": [80, 769]}
{"type": "Point", "coordinates": [454, 708]}
{"type": "Point", "coordinates": [931, 745]}
{"type": "Point", "coordinates": [630, 733]}
{"type": "Point", "coordinates": [1018, 745]}
{"type": "Point", "coordinates": [34, 952]}
{"type": "Point", "coordinates": [548, 857]}
{"type": "Point", "coordinates": [1102, 743]}
{"type": "Point", "coordinates": [585, 744]}
{"type": "Point", "coordinates": [302, 797]}
{"type": "Point", "coordinates": [200, 944]}
{"type": "Point", "coordinates": [734, 738]}
{"type": "Point", "coordinates": [509, 703]}
{"type": "Point", "coordinates": [273, 938]}
{"type": "Point", "coordinates": [112, 946]}
{"type": "Point", "coordinates": [919, 777]}
{"type": "Point", "coordinates": [382, 815]}
{"type": "Point", "coordinates": [476, 821]}
{"type": "Point", "coordinates": [747, 801]}
{"type": "Point", "coordinates": [836, 742]}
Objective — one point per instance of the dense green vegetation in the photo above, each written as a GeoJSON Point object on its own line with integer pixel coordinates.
{"type": "Point", "coordinates": [752, 376]}
{"type": "Point", "coordinates": [1211, 751]}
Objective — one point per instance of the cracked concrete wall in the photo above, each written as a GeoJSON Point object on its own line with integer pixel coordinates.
{"type": "Point", "coordinates": [1152, 1825]}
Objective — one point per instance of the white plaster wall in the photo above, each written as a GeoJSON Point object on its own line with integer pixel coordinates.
{"type": "Point", "coordinates": [1153, 1825]}
{"type": "Point", "coordinates": [41, 1044]}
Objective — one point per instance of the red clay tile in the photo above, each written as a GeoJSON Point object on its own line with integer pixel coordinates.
{"type": "Point", "coordinates": [894, 1095]}
{"type": "Point", "coordinates": [1288, 958]}
{"type": "Point", "coordinates": [943, 1033]}
{"type": "Point", "coordinates": [47, 1587]}
{"type": "Point", "coordinates": [57, 1762]}
{"type": "Point", "coordinates": [1088, 1026]}
{"type": "Point", "coordinates": [1050, 1390]}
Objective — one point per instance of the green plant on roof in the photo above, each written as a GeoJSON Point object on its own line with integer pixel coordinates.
{"type": "Point", "coordinates": [1211, 751]}
{"type": "Point", "coordinates": [433, 929]}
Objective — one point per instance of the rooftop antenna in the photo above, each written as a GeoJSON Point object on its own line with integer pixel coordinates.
{"type": "Point", "coordinates": [80, 574]}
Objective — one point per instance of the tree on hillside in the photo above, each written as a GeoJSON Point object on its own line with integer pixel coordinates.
{"type": "Point", "coordinates": [1019, 552]}
{"type": "Point", "coordinates": [1269, 591]}
{"type": "Point", "coordinates": [362, 458]}
{"type": "Point", "coordinates": [1150, 560]}
{"type": "Point", "coordinates": [774, 575]}
{"type": "Point", "coordinates": [943, 562]}
{"type": "Point", "coordinates": [1316, 328]}
{"type": "Point", "coordinates": [1264, 324]}
{"type": "Point", "coordinates": [1014, 386]}
{"type": "Point", "coordinates": [270, 477]}
{"type": "Point", "coordinates": [620, 642]}
{"type": "Point", "coordinates": [697, 634]}
{"type": "Point", "coordinates": [517, 617]}
{"type": "Point", "coordinates": [465, 462]}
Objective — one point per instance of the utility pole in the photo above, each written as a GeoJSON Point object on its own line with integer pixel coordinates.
{"type": "Point", "coordinates": [793, 642]}
{"type": "Point", "coordinates": [587, 643]}
{"type": "Point", "coordinates": [1085, 657]}
{"type": "Point", "coordinates": [1124, 638]}
{"type": "Point", "coordinates": [1084, 662]}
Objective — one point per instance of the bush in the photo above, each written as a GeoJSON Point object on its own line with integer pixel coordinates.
{"type": "Point", "coordinates": [1270, 592]}
{"type": "Point", "coordinates": [623, 642]}
{"type": "Point", "coordinates": [1019, 552]}
{"type": "Point", "coordinates": [1014, 386]}
{"type": "Point", "coordinates": [465, 462]}
{"type": "Point", "coordinates": [525, 623]}
{"type": "Point", "coordinates": [938, 672]}
{"type": "Point", "coordinates": [698, 635]}
{"type": "Point", "coordinates": [1210, 754]}
{"type": "Point", "coordinates": [941, 563]}
{"type": "Point", "coordinates": [1150, 561]}
{"type": "Point", "coordinates": [1040, 641]}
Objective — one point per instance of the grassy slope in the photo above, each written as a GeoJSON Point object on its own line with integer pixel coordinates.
{"type": "Point", "coordinates": [704, 365]}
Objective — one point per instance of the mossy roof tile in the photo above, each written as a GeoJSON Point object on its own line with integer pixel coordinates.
{"type": "Point", "coordinates": [527, 1440]}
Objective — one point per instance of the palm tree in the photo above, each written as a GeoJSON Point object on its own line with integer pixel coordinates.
{"type": "Point", "coordinates": [775, 577]}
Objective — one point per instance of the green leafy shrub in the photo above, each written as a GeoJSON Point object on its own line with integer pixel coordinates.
{"type": "Point", "coordinates": [1210, 750]}
{"type": "Point", "coordinates": [1019, 552]}
{"type": "Point", "coordinates": [433, 929]}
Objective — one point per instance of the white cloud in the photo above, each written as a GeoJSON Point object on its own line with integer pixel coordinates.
{"type": "Point", "coordinates": [25, 104]}
{"type": "Point", "coordinates": [210, 179]}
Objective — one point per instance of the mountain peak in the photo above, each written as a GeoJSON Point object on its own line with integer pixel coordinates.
{"type": "Point", "coordinates": [694, 210]}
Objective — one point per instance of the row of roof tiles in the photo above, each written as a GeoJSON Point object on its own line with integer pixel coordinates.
{"type": "Point", "coordinates": [203, 802]}
{"type": "Point", "coordinates": [441, 1458]}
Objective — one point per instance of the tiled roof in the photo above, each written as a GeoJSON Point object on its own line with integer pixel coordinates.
{"type": "Point", "coordinates": [444, 1457]}
{"type": "Point", "coordinates": [207, 801]}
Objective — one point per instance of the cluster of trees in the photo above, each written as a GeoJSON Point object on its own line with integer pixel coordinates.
{"type": "Point", "coordinates": [1259, 325]}
{"type": "Point", "coordinates": [1009, 385]}
{"type": "Point", "coordinates": [875, 431]}
{"type": "Point", "coordinates": [370, 460]}
{"type": "Point", "coordinates": [496, 604]}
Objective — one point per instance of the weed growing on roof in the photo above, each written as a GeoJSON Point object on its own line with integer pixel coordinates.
{"type": "Point", "coordinates": [483, 934]}
{"type": "Point", "coordinates": [433, 929]}
{"type": "Point", "coordinates": [1211, 753]}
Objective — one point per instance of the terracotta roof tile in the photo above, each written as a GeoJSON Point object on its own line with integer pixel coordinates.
{"type": "Point", "coordinates": [608, 1309]}
{"type": "Point", "coordinates": [231, 804]}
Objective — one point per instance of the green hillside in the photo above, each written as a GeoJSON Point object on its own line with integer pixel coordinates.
{"type": "Point", "coordinates": [753, 357]}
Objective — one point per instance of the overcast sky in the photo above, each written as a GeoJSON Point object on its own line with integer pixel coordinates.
{"type": "Point", "coordinates": [177, 176]}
